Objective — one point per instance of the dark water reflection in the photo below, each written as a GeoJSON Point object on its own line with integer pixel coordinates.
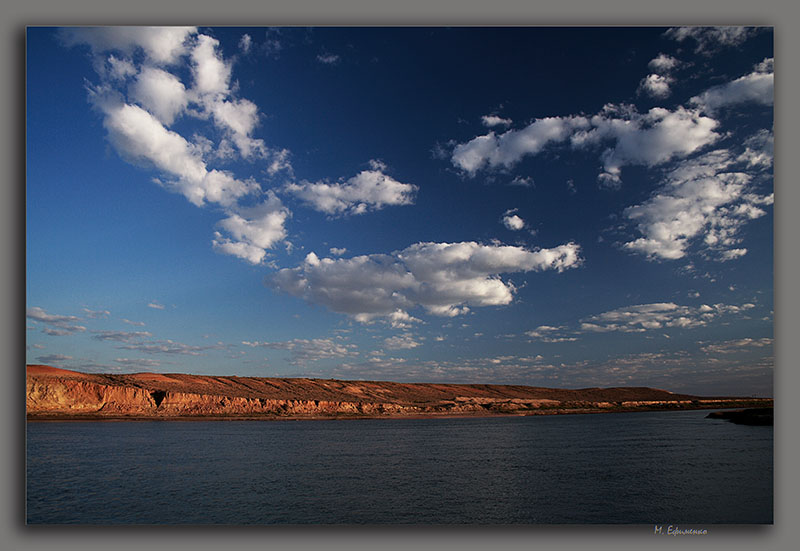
{"type": "Point", "coordinates": [660, 467]}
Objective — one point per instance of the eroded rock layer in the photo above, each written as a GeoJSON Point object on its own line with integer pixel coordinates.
{"type": "Point", "coordinates": [53, 393]}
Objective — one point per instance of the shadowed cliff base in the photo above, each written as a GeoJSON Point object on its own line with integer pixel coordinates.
{"type": "Point", "coordinates": [54, 393]}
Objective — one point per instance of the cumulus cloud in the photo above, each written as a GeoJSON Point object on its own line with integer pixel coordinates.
{"type": "Point", "coordinates": [161, 93]}
{"type": "Point", "coordinates": [759, 150]}
{"type": "Point", "coordinates": [56, 325]}
{"type": "Point", "coordinates": [161, 45]}
{"type": "Point", "coordinates": [368, 190]}
{"type": "Point", "coordinates": [704, 197]}
{"type": "Point", "coordinates": [252, 230]}
{"type": "Point", "coordinates": [338, 251]}
{"type": "Point", "coordinates": [139, 137]}
{"type": "Point", "coordinates": [756, 87]}
{"type": "Point", "coordinates": [512, 221]}
{"type": "Point", "coordinates": [736, 346]}
{"type": "Point", "coordinates": [648, 139]}
{"type": "Point", "coordinates": [444, 278]}
{"type": "Point", "coordinates": [550, 334]}
{"type": "Point", "coordinates": [644, 317]}
{"type": "Point", "coordinates": [663, 64]}
{"type": "Point", "coordinates": [711, 39]}
{"type": "Point", "coordinates": [631, 138]}
{"type": "Point", "coordinates": [401, 342]}
{"type": "Point", "coordinates": [494, 120]}
{"type": "Point", "coordinates": [309, 350]}
{"type": "Point", "coordinates": [656, 86]}
{"type": "Point", "coordinates": [505, 150]}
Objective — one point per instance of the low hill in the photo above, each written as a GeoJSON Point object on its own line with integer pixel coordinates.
{"type": "Point", "coordinates": [54, 393]}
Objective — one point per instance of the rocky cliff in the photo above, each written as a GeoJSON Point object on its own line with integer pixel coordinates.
{"type": "Point", "coordinates": [58, 393]}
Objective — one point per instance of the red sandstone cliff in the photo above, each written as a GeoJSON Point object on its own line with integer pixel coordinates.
{"type": "Point", "coordinates": [53, 392]}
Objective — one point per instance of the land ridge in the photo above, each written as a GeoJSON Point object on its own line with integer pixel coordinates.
{"type": "Point", "coordinates": [54, 393]}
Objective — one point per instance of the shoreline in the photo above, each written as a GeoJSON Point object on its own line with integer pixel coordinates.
{"type": "Point", "coordinates": [94, 417]}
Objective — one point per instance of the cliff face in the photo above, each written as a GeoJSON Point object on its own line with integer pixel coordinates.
{"type": "Point", "coordinates": [55, 392]}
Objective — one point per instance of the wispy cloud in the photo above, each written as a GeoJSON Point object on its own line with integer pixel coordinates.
{"type": "Point", "coordinates": [309, 350]}
{"type": "Point", "coordinates": [56, 325]}
{"type": "Point", "coordinates": [709, 40]}
{"type": "Point", "coordinates": [644, 317]}
{"type": "Point", "coordinates": [53, 359]}
{"type": "Point", "coordinates": [170, 347]}
{"type": "Point", "coordinates": [121, 336]}
{"type": "Point", "coordinates": [155, 305]}
{"type": "Point", "coordinates": [756, 87]}
{"type": "Point", "coordinates": [328, 58]}
{"type": "Point", "coordinates": [96, 314]}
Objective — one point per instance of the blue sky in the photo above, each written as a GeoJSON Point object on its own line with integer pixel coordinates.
{"type": "Point", "coordinates": [566, 207]}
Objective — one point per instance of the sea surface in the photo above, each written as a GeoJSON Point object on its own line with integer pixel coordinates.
{"type": "Point", "coordinates": [616, 468]}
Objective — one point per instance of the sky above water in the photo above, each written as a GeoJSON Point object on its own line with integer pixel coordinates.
{"type": "Point", "coordinates": [567, 207]}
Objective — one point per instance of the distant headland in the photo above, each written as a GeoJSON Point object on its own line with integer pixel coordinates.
{"type": "Point", "coordinates": [54, 393]}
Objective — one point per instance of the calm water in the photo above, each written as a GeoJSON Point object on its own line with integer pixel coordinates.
{"type": "Point", "coordinates": [670, 467]}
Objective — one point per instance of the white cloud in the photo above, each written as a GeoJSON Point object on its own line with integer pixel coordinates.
{"type": "Point", "coordinates": [736, 346]}
{"type": "Point", "coordinates": [710, 39]}
{"type": "Point", "coordinates": [161, 93]}
{"type": "Point", "coordinates": [211, 74]}
{"type": "Point", "coordinates": [121, 336]}
{"type": "Point", "coordinates": [663, 63]}
{"type": "Point", "coordinates": [120, 69]}
{"type": "Point", "coordinates": [139, 137]}
{"type": "Point", "coordinates": [550, 334]}
{"type": "Point", "coordinates": [494, 120]}
{"type": "Point", "coordinates": [649, 139]}
{"type": "Point", "coordinates": [253, 230]}
{"type": "Point", "coordinates": [702, 197]}
{"type": "Point", "coordinates": [444, 278]}
{"type": "Point", "coordinates": [136, 323]}
{"type": "Point", "coordinates": [96, 314]}
{"type": "Point", "coordinates": [507, 149]}
{"type": "Point", "coordinates": [57, 325]}
{"type": "Point", "coordinates": [759, 150]}
{"type": "Point", "coordinates": [245, 43]}
{"type": "Point", "coordinates": [306, 350]}
{"type": "Point", "coordinates": [522, 181]}
{"type": "Point", "coordinates": [756, 87]}
{"type": "Point", "coordinates": [644, 317]}
{"type": "Point", "coordinates": [161, 45]}
{"type": "Point", "coordinates": [169, 347]}
{"type": "Point", "coordinates": [338, 251]}
{"type": "Point", "coordinates": [156, 305]}
{"type": "Point", "coordinates": [513, 222]}
{"type": "Point", "coordinates": [328, 59]}
{"type": "Point", "coordinates": [401, 342]}
{"type": "Point", "coordinates": [656, 86]}
{"type": "Point", "coordinates": [368, 190]}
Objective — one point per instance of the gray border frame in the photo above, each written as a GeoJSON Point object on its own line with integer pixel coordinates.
{"type": "Point", "coordinates": [16, 15]}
